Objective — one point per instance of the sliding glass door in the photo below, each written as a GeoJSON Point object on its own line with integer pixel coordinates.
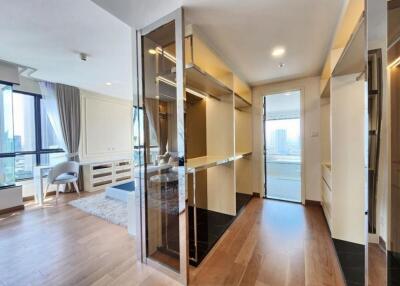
{"type": "Point", "coordinates": [160, 171]}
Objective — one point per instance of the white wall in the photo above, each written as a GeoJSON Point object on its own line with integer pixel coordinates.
{"type": "Point", "coordinates": [27, 85]}
{"type": "Point", "coordinates": [311, 99]}
{"type": "Point", "coordinates": [10, 197]}
{"type": "Point", "coordinates": [8, 72]}
{"type": "Point", "coordinates": [106, 127]}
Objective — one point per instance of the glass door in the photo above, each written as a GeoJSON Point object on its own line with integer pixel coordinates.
{"type": "Point", "coordinates": [160, 172]}
{"type": "Point", "coordinates": [282, 132]}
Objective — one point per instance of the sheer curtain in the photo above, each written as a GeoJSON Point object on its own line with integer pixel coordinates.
{"type": "Point", "coordinates": [63, 109]}
{"type": "Point", "coordinates": [49, 95]}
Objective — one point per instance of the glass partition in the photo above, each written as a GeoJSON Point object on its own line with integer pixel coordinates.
{"type": "Point", "coordinates": [159, 146]}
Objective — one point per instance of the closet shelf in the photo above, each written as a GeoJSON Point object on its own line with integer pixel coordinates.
{"type": "Point", "coordinates": [240, 155]}
{"type": "Point", "coordinates": [240, 102]}
{"type": "Point", "coordinates": [198, 80]}
{"type": "Point", "coordinates": [352, 60]}
{"type": "Point", "coordinates": [201, 163]}
{"type": "Point", "coordinates": [205, 162]}
{"type": "Point", "coordinates": [326, 93]}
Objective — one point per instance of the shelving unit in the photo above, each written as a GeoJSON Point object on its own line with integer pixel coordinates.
{"type": "Point", "coordinates": [352, 60]}
{"type": "Point", "coordinates": [215, 125]}
{"type": "Point", "coordinates": [98, 176]}
{"type": "Point", "coordinates": [342, 119]}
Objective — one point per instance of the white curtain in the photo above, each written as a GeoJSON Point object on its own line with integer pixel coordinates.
{"type": "Point", "coordinates": [49, 94]}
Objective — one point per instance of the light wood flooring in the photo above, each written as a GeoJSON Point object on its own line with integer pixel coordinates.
{"type": "Point", "coordinates": [271, 243]}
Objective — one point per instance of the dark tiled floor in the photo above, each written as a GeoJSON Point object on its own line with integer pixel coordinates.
{"type": "Point", "coordinates": [210, 227]}
{"type": "Point", "coordinates": [352, 260]}
{"type": "Point", "coordinates": [393, 268]}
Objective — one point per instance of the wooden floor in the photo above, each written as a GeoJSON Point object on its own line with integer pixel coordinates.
{"type": "Point", "coordinates": [270, 243]}
{"type": "Point", "coordinates": [376, 265]}
{"type": "Point", "coordinates": [273, 243]}
{"type": "Point", "coordinates": [61, 245]}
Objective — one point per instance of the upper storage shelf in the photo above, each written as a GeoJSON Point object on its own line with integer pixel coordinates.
{"type": "Point", "coordinates": [326, 92]}
{"type": "Point", "coordinates": [199, 79]}
{"type": "Point", "coordinates": [242, 93]}
{"type": "Point", "coordinates": [347, 53]}
{"type": "Point", "coordinates": [240, 102]}
{"type": "Point", "coordinates": [353, 58]}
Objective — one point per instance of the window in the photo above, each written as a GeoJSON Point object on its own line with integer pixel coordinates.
{"type": "Point", "coordinates": [27, 138]}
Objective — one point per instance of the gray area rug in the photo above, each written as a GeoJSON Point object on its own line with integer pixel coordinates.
{"type": "Point", "coordinates": [113, 211]}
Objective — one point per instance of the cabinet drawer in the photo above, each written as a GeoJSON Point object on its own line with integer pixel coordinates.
{"type": "Point", "coordinates": [102, 179]}
{"type": "Point", "coordinates": [326, 196]}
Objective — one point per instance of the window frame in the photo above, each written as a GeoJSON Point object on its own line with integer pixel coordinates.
{"type": "Point", "coordinates": [39, 150]}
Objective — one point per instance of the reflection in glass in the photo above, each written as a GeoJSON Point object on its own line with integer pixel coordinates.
{"type": "Point", "coordinates": [6, 124]}
{"type": "Point", "coordinates": [24, 122]}
{"type": "Point", "coordinates": [24, 166]}
{"type": "Point", "coordinates": [7, 177]}
{"type": "Point", "coordinates": [160, 153]}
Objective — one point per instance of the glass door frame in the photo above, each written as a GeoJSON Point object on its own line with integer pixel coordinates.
{"type": "Point", "coordinates": [302, 142]}
{"type": "Point", "coordinates": [176, 16]}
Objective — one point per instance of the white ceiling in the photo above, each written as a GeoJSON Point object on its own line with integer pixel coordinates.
{"type": "Point", "coordinates": [49, 34]}
{"type": "Point", "coordinates": [245, 32]}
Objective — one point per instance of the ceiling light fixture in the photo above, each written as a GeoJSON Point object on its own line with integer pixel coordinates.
{"type": "Point", "coordinates": [278, 52]}
{"type": "Point", "coordinates": [108, 83]}
{"type": "Point", "coordinates": [162, 52]}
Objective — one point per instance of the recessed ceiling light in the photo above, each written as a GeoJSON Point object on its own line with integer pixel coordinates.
{"type": "Point", "coordinates": [108, 83]}
{"type": "Point", "coordinates": [152, 52]}
{"type": "Point", "coordinates": [278, 52]}
{"type": "Point", "coordinates": [281, 65]}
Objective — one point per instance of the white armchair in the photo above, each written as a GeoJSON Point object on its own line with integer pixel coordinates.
{"type": "Point", "coordinates": [63, 174]}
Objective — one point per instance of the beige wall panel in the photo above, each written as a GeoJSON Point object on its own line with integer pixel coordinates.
{"type": "Point", "coordinates": [244, 176]}
{"type": "Point", "coordinates": [220, 124]}
{"type": "Point", "coordinates": [221, 189]}
{"type": "Point", "coordinates": [243, 131]}
{"type": "Point", "coordinates": [348, 173]}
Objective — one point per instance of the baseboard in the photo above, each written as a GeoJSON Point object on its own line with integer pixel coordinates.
{"type": "Point", "coordinates": [313, 203]}
{"type": "Point", "coordinates": [13, 209]}
{"type": "Point", "coordinates": [32, 198]}
{"type": "Point", "coordinates": [373, 238]}
{"type": "Point", "coordinates": [256, 195]}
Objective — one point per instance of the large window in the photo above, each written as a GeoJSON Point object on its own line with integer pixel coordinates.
{"type": "Point", "coordinates": [32, 140]}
